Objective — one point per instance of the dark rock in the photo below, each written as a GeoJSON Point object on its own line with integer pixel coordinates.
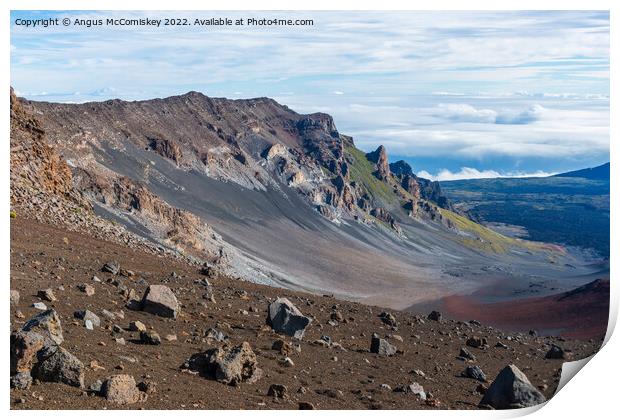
{"type": "Point", "coordinates": [305, 405]}
{"type": "Point", "coordinates": [59, 365]}
{"type": "Point", "coordinates": [277, 391]}
{"type": "Point", "coordinates": [474, 372]}
{"type": "Point", "coordinates": [476, 342]}
{"type": "Point", "coordinates": [556, 352]}
{"type": "Point", "coordinates": [285, 318]}
{"type": "Point", "coordinates": [150, 337]}
{"type": "Point", "coordinates": [466, 354]}
{"type": "Point", "coordinates": [388, 319]}
{"type": "Point", "coordinates": [512, 389]}
{"type": "Point", "coordinates": [435, 316]}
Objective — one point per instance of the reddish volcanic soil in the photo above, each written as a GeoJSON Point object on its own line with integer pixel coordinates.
{"type": "Point", "coordinates": [580, 313]}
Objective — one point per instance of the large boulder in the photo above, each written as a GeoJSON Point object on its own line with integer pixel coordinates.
{"type": "Point", "coordinates": [229, 366]}
{"type": "Point", "coordinates": [512, 389]}
{"type": "Point", "coordinates": [285, 318]}
{"type": "Point", "coordinates": [47, 324]}
{"type": "Point", "coordinates": [159, 300]}
{"type": "Point", "coordinates": [121, 389]}
{"type": "Point", "coordinates": [58, 365]}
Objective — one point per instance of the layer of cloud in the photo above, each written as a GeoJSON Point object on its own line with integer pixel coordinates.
{"type": "Point", "coordinates": [473, 173]}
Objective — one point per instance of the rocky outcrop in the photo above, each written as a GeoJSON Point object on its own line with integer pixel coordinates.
{"type": "Point", "coordinates": [166, 148]}
{"type": "Point", "coordinates": [401, 168]}
{"type": "Point", "coordinates": [380, 159]}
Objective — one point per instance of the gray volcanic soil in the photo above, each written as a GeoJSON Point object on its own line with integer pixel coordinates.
{"type": "Point", "coordinates": [291, 245]}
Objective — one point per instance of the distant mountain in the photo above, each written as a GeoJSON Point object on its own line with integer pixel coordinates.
{"type": "Point", "coordinates": [599, 172]}
{"type": "Point", "coordinates": [567, 210]}
{"type": "Point", "coordinates": [266, 194]}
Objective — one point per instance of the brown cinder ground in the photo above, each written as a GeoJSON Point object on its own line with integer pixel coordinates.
{"type": "Point", "coordinates": [45, 256]}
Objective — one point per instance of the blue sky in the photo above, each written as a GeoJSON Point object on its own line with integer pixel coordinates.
{"type": "Point", "coordinates": [457, 94]}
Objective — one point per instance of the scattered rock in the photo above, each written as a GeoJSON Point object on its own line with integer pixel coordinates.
{"type": "Point", "coordinates": [285, 318]}
{"type": "Point", "coordinates": [434, 316]}
{"type": "Point", "coordinates": [216, 335]}
{"type": "Point", "coordinates": [305, 405]}
{"type": "Point", "coordinates": [388, 319]}
{"type": "Point", "coordinates": [288, 362]}
{"type": "Point", "coordinates": [474, 372]}
{"type": "Point", "coordinates": [556, 352]}
{"type": "Point", "coordinates": [86, 288]}
{"type": "Point", "coordinates": [381, 346]}
{"type": "Point", "coordinates": [282, 346]}
{"type": "Point", "coordinates": [512, 389]}
{"type": "Point", "coordinates": [95, 387]}
{"type": "Point", "coordinates": [414, 388]}
{"type": "Point", "coordinates": [14, 297]}
{"type": "Point", "coordinates": [112, 267]}
{"type": "Point", "coordinates": [150, 337]}
{"type": "Point", "coordinates": [88, 316]}
{"type": "Point", "coordinates": [229, 366]}
{"type": "Point", "coordinates": [466, 355]}
{"type": "Point", "coordinates": [137, 326]}
{"type": "Point", "coordinates": [277, 391]}
{"type": "Point", "coordinates": [159, 300]}
{"type": "Point", "coordinates": [476, 342]}
{"type": "Point", "coordinates": [47, 324]}
{"type": "Point", "coordinates": [47, 294]}
{"type": "Point", "coordinates": [40, 306]}
{"type": "Point", "coordinates": [121, 389]}
{"type": "Point", "coordinates": [148, 387]}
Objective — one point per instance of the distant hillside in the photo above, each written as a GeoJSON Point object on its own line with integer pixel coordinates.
{"type": "Point", "coordinates": [599, 172]}
{"type": "Point", "coordinates": [565, 210]}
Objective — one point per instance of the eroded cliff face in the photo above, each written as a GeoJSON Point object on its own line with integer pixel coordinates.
{"type": "Point", "coordinates": [34, 164]}
{"type": "Point", "coordinates": [255, 143]}
{"type": "Point", "coordinates": [44, 187]}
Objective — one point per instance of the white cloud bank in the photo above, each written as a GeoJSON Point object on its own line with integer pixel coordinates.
{"type": "Point", "coordinates": [473, 173]}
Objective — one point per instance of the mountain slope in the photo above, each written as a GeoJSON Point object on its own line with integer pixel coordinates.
{"type": "Point", "coordinates": [571, 211]}
{"type": "Point", "coordinates": [282, 198]}
{"type": "Point", "coordinates": [598, 172]}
